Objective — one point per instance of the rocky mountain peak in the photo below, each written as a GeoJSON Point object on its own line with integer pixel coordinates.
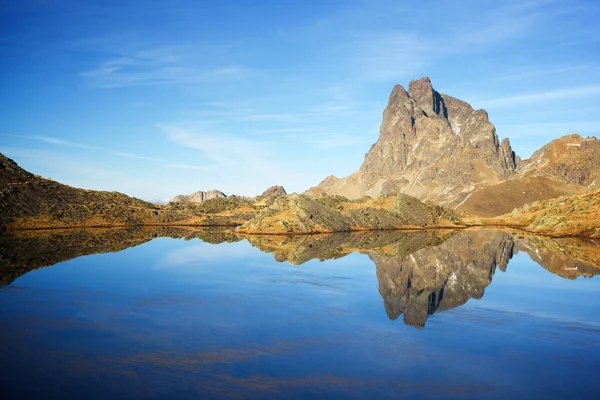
{"type": "Point", "coordinates": [431, 146]}
{"type": "Point", "coordinates": [426, 97]}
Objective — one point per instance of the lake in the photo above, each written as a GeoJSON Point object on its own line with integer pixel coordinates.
{"type": "Point", "coordinates": [178, 313]}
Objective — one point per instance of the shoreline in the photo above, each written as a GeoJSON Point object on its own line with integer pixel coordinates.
{"type": "Point", "coordinates": [407, 228]}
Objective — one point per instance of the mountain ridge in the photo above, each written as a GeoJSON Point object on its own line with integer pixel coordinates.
{"type": "Point", "coordinates": [438, 148]}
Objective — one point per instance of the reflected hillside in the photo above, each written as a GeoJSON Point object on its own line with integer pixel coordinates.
{"type": "Point", "coordinates": [302, 248]}
{"type": "Point", "coordinates": [419, 273]}
{"type": "Point", "coordinates": [566, 257]}
{"type": "Point", "coordinates": [27, 250]}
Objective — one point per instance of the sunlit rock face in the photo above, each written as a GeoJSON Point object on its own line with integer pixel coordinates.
{"type": "Point", "coordinates": [431, 146]}
{"type": "Point", "coordinates": [436, 147]}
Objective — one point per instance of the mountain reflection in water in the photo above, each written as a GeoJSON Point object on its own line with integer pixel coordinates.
{"type": "Point", "coordinates": [419, 273]}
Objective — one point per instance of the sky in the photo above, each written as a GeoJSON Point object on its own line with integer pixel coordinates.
{"type": "Point", "coordinates": [159, 98]}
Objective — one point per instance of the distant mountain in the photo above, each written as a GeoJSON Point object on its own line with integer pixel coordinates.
{"type": "Point", "coordinates": [436, 147]}
{"type": "Point", "coordinates": [274, 191]}
{"type": "Point", "coordinates": [198, 197]}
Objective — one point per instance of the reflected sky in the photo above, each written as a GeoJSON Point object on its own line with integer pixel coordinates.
{"type": "Point", "coordinates": [434, 314]}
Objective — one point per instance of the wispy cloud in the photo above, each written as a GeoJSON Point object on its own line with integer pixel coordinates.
{"type": "Point", "coordinates": [163, 64]}
{"type": "Point", "coordinates": [519, 100]}
{"type": "Point", "coordinates": [61, 142]}
{"type": "Point", "coordinates": [552, 129]}
{"type": "Point", "coordinates": [536, 71]}
{"type": "Point", "coordinates": [194, 167]}
{"type": "Point", "coordinates": [222, 148]}
{"type": "Point", "coordinates": [137, 157]}
{"type": "Point", "coordinates": [336, 140]}
{"type": "Point", "coordinates": [391, 54]}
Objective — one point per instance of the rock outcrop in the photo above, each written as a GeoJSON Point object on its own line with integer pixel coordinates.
{"type": "Point", "coordinates": [435, 147]}
{"type": "Point", "coordinates": [274, 191]}
{"type": "Point", "coordinates": [302, 214]}
{"type": "Point", "coordinates": [431, 146]}
{"type": "Point", "coordinates": [198, 197]}
{"type": "Point", "coordinates": [577, 215]}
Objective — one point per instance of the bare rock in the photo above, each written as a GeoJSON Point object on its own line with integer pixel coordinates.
{"type": "Point", "coordinates": [274, 191]}
{"type": "Point", "coordinates": [198, 197]}
{"type": "Point", "coordinates": [431, 146]}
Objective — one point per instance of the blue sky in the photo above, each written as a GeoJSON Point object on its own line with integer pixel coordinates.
{"type": "Point", "coordinates": [157, 98]}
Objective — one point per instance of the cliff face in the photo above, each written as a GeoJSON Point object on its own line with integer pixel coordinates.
{"type": "Point", "coordinates": [431, 146]}
{"type": "Point", "coordinates": [436, 147]}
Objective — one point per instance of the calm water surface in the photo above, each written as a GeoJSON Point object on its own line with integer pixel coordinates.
{"type": "Point", "coordinates": [470, 314]}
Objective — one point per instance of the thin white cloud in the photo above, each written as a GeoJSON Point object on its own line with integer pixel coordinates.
{"type": "Point", "coordinates": [331, 141]}
{"type": "Point", "coordinates": [137, 157]}
{"type": "Point", "coordinates": [162, 64]}
{"type": "Point", "coordinates": [391, 54]}
{"type": "Point", "coordinates": [519, 100]}
{"type": "Point", "coordinates": [535, 72]}
{"type": "Point", "coordinates": [545, 129]}
{"type": "Point", "coordinates": [61, 142]}
{"type": "Point", "coordinates": [221, 147]}
{"type": "Point", "coordinates": [194, 167]}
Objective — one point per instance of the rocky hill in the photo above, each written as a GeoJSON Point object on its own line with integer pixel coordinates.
{"type": "Point", "coordinates": [565, 166]}
{"type": "Point", "coordinates": [577, 215]}
{"type": "Point", "coordinates": [198, 197]}
{"type": "Point", "coordinates": [435, 147]}
{"type": "Point", "coordinates": [303, 214]}
{"type": "Point", "coordinates": [274, 191]}
{"type": "Point", "coordinates": [29, 201]}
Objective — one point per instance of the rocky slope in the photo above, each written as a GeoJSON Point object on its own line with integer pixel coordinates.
{"type": "Point", "coordinates": [577, 215]}
{"type": "Point", "coordinates": [436, 147]}
{"type": "Point", "coordinates": [431, 146]}
{"type": "Point", "coordinates": [198, 197]}
{"type": "Point", "coordinates": [30, 201]}
{"type": "Point", "coordinates": [565, 166]}
{"type": "Point", "coordinates": [302, 214]}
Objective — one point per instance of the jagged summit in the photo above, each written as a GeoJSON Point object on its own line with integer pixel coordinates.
{"type": "Point", "coordinates": [437, 147]}
{"type": "Point", "coordinates": [432, 146]}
